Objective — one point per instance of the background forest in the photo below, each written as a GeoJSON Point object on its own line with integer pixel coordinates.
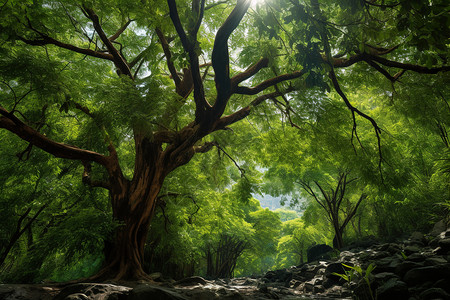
{"type": "Point", "coordinates": [354, 150]}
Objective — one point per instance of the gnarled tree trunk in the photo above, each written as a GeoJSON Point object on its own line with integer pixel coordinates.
{"type": "Point", "coordinates": [133, 204]}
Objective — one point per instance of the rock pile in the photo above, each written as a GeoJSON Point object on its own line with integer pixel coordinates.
{"type": "Point", "coordinates": [418, 268]}
{"type": "Point", "coordinates": [414, 269]}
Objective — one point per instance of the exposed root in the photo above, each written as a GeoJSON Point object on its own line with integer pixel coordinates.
{"type": "Point", "coordinates": [125, 274]}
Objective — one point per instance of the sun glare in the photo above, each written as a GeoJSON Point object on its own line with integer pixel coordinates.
{"type": "Point", "coordinates": [256, 2]}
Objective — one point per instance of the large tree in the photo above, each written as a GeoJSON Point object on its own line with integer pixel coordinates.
{"type": "Point", "coordinates": [58, 91]}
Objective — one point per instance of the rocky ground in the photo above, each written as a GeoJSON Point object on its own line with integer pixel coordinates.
{"type": "Point", "coordinates": [417, 268]}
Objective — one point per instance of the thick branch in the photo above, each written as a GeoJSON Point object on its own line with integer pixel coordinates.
{"type": "Point", "coordinates": [182, 87]}
{"type": "Point", "coordinates": [342, 62]}
{"type": "Point", "coordinates": [267, 83]}
{"type": "Point", "coordinates": [173, 12]}
{"type": "Point", "coordinates": [405, 66]}
{"type": "Point", "coordinates": [46, 40]}
{"type": "Point", "coordinates": [252, 70]}
{"type": "Point", "coordinates": [190, 46]}
{"type": "Point", "coordinates": [198, 8]}
{"type": "Point", "coordinates": [381, 70]}
{"type": "Point", "coordinates": [371, 59]}
{"type": "Point", "coordinates": [199, 11]}
{"type": "Point", "coordinates": [220, 56]}
{"type": "Point", "coordinates": [25, 132]}
{"type": "Point", "coordinates": [225, 121]}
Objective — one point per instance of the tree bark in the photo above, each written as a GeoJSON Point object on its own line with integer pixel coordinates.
{"type": "Point", "coordinates": [133, 209]}
{"type": "Point", "coordinates": [338, 242]}
{"type": "Point", "coordinates": [133, 204]}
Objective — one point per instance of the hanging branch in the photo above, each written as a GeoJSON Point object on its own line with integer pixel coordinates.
{"type": "Point", "coordinates": [162, 204]}
{"type": "Point", "coordinates": [285, 109]}
{"type": "Point", "coordinates": [354, 110]}
{"type": "Point", "coordinates": [241, 170]}
{"type": "Point", "coordinates": [382, 71]}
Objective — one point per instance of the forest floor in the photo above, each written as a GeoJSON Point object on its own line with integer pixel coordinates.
{"type": "Point", "coordinates": [415, 268]}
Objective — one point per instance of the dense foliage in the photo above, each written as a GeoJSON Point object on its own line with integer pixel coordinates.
{"type": "Point", "coordinates": [136, 136]}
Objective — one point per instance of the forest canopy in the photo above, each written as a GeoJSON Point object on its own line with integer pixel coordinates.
{"type": "Point", "coordinates": [137, 136]}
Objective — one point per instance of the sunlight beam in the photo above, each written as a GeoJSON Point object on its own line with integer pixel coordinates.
{"type": "Point", "coordinates": [256, 2]}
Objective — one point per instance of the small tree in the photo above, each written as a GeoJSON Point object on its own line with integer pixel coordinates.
{"type": "Point", "coordinates": [331, 201]}
{"type": "Point", "coordinates": [221, 258]}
